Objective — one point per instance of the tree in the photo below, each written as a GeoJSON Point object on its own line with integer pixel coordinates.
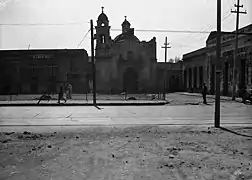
{"type": "Point", "coordinates": [171, 60]}
{"type": "Point", "coordinates": [175, 60]}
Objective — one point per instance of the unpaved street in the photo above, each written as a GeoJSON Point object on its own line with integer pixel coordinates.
{"type": "Point", "coordinates": [231, 113]}
{"type": "Point", "coordinates": [137, 152]}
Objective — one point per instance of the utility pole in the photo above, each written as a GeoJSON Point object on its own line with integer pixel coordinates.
{"type": "Point", "coordinates": [165, 47]}
{"type": "Point", "coordinates": [218, 67]}
{"type": "Point", "coordinates": [93, 62]}
{"type": "Point", "coordinates": [238, 12]}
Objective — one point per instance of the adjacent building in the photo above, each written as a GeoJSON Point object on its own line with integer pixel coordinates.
{"type": "Point", "coordinates": [169, 77]}
{"type": "Point", "coordinates": [206, 58]}
{"type": "Point", "coordinates": [37, 71]}
{"type": "Point", "coordinates": [195, 70]}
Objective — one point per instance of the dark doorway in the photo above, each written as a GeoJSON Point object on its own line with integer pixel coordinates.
{"type": "Point", "coordinates": [242, 75]}
{"type": "Point", "coordinates": [130, 81]}
{"type": "Point", "coordinates": [225, 83]}
{"type": "Point", "coordinates": [213, 80]}
{"type": "Point", "coordinates": [34, 88]}
{"type": "Point", "coordinates": [195, 78]}
{"type": "Point", "coordinates": [190, 80]}
{"type": "Point", "coordinates": [185, 79]}
{"type": "Point", "coordinates": [174, 83]}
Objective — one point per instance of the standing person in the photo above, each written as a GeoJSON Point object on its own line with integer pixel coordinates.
{"type": "Point", "coordinates": [67, 91]}
{"type": "Point", "coordinates": [244, 94]}
{"type": "Point", "coordinates": [61, 95]}
{"type": "Point", "coordinates": [70, 91]}
{"type": "Point", "coordinates": [204, 93]}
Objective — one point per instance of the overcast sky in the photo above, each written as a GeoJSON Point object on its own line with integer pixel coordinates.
{"type": "Point", "coordinates": [142, 14]}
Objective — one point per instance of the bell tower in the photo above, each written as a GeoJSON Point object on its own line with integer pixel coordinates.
{"type": "Point", "coordinates": [103, 39]}
{"type": "Point", "coordinates": [125, 25]}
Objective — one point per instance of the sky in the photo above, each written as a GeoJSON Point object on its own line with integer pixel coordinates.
{"type": "Point", "coordinates": [73, 17]}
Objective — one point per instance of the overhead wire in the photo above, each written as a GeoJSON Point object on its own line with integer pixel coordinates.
{"type": "Point", "coordinates": [224, 18]}
{"type": "Point", "coordinates": [41, 24]}
{"type": "Point", "coordinates": [226, 15]}
{"type": "Point", "coordinates": [83, 39]}
{"type": "Point", "coordinates": [206, 28]}
{"type": "Point", "coordinates": [166, 30]}
{"type": "Point", "coordinates": [209, 26]}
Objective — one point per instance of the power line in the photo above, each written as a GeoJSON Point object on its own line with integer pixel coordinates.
{"type": "Point", "coordinates": [226, 14]}
{"type": "Point", "coordinates": [83, 38]}
{"type": "Point", "coordinates": [209, 26]}
{"type": "Point", "coordinates": [164, 31]}
{"type": "Point", "coordinates": [41, 24]}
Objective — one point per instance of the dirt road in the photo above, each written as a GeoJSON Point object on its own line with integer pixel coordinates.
{"type": "Point", "coordinates": [139, 152]}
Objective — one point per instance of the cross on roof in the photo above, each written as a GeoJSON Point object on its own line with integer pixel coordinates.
{"type": "Point", "coordinates": [102, 8]}
{"type": "Point", "coordinates": [125, 17]}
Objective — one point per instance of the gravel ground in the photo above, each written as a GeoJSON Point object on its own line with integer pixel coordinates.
{"type": "Point", "coordinates": [133, 152]}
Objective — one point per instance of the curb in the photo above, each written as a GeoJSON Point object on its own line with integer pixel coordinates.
{"type": "Point", "coordinates": [210, 97]}
{"type": "Point", "coordinates": [86, 104]}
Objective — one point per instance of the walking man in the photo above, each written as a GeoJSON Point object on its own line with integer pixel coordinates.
{"type": "Point", "coordinates": [204, 93]}
{"type": "Point", "coordinates": [61, 95]}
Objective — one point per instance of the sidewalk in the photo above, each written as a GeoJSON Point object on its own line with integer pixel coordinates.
{"type": "Point", "coordinates": [84, 103]}
{"type": "Point", "coordinates": [223, 98]}
{"type": "Point", "coordinates": [83, 97]}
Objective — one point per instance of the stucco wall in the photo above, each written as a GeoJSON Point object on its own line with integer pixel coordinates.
{"type": "Point", "coordinates": [191, 63]}
{"type": "Point", "coordinates": [41, 77]}
{"type": "Point", "coordinates": [126, 54]}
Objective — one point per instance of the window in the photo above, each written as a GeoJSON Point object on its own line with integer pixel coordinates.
{"type": "Point", "coordinates": [33, 70]}
{"type": "Point", "coordinates": [102, 39]}
{"type": "Point", "coordinates": [54, 69]}
{"type": "Point", "coordinates": [102, 24]}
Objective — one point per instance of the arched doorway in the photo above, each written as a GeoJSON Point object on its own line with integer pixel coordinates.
{"type": "Point", "coordinates": [130, 81]}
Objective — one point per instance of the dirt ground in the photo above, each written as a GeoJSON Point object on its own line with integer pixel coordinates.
{"type": "Point", "coordinates": [127, 153]}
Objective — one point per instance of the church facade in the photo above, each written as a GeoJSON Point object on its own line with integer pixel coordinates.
{"type": "Point", "coordinates": [123, 64]}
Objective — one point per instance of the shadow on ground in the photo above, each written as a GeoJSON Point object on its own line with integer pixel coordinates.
{"type": "Point", "coordinates": [97, 107]}
{"type": "Point", "coordinates": [237, 133]}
